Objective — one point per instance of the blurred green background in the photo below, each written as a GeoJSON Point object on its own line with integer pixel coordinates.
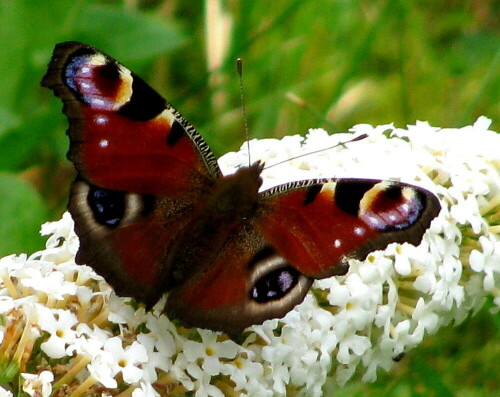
{"type": "Point", "coordinates": [350, 62]}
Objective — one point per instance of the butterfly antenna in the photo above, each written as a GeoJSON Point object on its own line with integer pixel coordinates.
{"type": "Point", "coordinates": [239, 69]}
{"type": "Point", "coordinates": [358, 138]}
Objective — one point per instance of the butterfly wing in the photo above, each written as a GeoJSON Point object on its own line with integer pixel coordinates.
{"type": "Point", "coordinates": [124, 135]}
{"type": "Point", "coordinates": [300, 232]}
{"type": "Point", "coordinates": [246, 283]}
{"type": "Point", "coordinates": [140, 167]}
{"type": "Point", "coordinates": [318, 224]}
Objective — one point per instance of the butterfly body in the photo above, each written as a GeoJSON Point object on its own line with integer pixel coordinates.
{"type": "Point", "coordinates": [154, 213]}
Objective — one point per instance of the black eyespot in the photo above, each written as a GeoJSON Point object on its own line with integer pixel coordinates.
{"type": "Point", "coordinates": [110, 72]}
{"type": "Point", "coordinates": [393, 192]}
{"type": "Point", "coordinates": [348, 195]}
{"type": "Point", "coordinates": [108, 206]}
{"type": "Point", "coordinates": [274, 285]}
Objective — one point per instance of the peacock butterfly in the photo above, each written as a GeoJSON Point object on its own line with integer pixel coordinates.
{"type": "Point", "coordinates": [154, 213]}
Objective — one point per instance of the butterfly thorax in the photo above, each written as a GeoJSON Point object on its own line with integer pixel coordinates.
{"type": "Point", "coordinates": [224, 209]}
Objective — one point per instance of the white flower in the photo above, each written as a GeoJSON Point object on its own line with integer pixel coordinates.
{"type": "Point", "coordinates": [202, 382]}
{"type": "Point", "coordinates": [145, 390]}
{"type": "Point", "coordinates": [160, 345]}
{"type": "Point", "coordinates": [210, 351]}
{"type": "Point", "coordinates": [487, 261]}
{"type": "Point", "coordinates": [5, 393]}
{"type": "Point", "coordinates": [180, 372]}
{"type": "Point", "coordinates": [38, 385]}
{"type": "Point", "coordinates": [156, 358]}
{"type": "Point", "coordinates": [405, 337]}
{"type": "Point", "coordinates": [51, 283]}
{"type": "Point", "coordinates": [63, 227]}
{"type": "Point", "coordinates": [59, 324]}
{"type": "Point", "coordinates": [425, 317]}
{"type": "Point", "coordinates": [246, 374]}
{"type": "Point", "coordinates": [127, 359]}
{"type": "Point", "coordinates": [62, 243]}
{"type": "Point", "coordinates": [355, 344]}
{"type": "Point", "coordinates": [103, 368]}
{"type": "Point", "coordinates": [380, 356]}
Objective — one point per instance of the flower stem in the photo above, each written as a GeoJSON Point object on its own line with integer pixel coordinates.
{"type": "Point", "coordinates": [11, 289]}
{"type": "Point", "coordinates": [84, 386]}
{"type": "Point", "coordinates": [79, 363]}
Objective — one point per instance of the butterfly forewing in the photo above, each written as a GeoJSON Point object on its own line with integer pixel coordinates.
{"type": "Point", "coordinates": [316, 225]}
{"type": "Point", "coordinates": [125, 136]}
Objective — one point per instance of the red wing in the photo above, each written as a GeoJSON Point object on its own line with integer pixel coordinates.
{"type": "Point", "coordinates": [246, 283]}
{"type": "Point", "coordinates": [125, 238]}
{"type": "Point", "coordinates": [125, 136]}
{"type": "Point", "coordinates": [315, 225]}
{"type": "Point", "coordinates": [140, 164]}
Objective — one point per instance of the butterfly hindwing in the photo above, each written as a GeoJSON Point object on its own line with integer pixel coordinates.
{"type": "Point", "coordinates": [247, 283]}
{"type": "Point", "coordinates": [124, 237]}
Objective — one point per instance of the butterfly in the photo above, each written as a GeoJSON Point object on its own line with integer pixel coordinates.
{"type": "Point", "coordinates": [155, 214]}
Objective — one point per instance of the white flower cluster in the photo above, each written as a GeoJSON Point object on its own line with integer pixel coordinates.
{"type": "Point", "coordinates": [64, 329]}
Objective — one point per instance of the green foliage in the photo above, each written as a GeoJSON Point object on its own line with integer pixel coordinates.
{"type": "Point", "coordinates": [22, 211]}
{"type": "Point", "coordinates": [8, 371]}
{"type": "Point", "coordinates": [351, 61]}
